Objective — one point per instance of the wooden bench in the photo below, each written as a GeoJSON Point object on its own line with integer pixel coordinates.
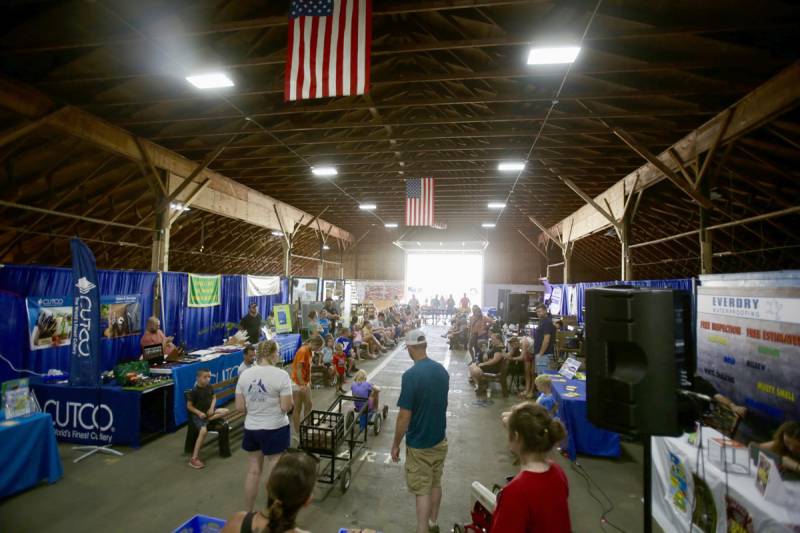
{"type": "Point", "coordinates": [221, 427]}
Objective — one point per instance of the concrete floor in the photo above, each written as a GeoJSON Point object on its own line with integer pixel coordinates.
{"type": "Point", "coordinates": [152, 489]}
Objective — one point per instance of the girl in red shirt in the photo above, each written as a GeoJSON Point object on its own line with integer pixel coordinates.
{"type": "Point", "coordinates": [536, 499]}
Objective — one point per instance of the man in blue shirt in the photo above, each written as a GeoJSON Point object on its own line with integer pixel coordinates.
{"type": "Point", "coordinates": [422, 421]}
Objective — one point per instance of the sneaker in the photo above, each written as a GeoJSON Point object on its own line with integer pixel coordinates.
{"type": "Point", "coordinates": [385, 411]}
{"type": "Point", "coordinates": [195, 462]}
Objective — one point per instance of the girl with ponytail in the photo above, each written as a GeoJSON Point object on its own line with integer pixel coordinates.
{"type": "Point", "coordinates": [289, 489]}
{"type": "Point", "coordinates": [536, 499]}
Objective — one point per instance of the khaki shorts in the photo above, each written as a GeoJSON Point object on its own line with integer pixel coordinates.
{"type": "Point", "coordinates": [424, 468]}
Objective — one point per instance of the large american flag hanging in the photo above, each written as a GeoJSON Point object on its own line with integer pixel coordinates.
{"type": "Point", "coordinates": [419, 202]}
{"type": "Point", "coordinates": [329, 48]}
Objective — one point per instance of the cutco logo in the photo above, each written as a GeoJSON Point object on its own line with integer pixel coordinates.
{"type": "Point", "coordinates": [83, 310]}
{"type": "Point", "coordinates": [51, 301]}
{"type": "Point", "coordinates": [85, 286]}
{"type": "Point", "coordinates": [87, 416]}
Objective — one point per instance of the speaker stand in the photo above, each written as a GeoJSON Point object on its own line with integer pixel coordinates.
{"type": "Point", "coordinates": [647, 465]}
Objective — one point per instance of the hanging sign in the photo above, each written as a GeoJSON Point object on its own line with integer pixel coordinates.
{"type": "Point", "coordinates": [204, 291]}
{"type": "Point", "coordinates": [263, 285]}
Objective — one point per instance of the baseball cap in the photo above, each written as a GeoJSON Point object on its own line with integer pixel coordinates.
{"type": "Point", "coordinates": [415, 337]}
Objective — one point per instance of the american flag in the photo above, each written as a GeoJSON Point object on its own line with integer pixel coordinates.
{"type": "Point", "coordinates": [329, 48]}
{"type": "Point", "coordinates": [419, 202]}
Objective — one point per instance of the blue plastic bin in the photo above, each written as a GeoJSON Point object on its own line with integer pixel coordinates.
{"type": "Point", "coordinates": [201, 524]}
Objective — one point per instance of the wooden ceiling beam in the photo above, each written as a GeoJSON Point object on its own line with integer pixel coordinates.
{"type": "Point", "coordinates": [774, 97]}
{"type": "Point", "coordinates": [32, 104]}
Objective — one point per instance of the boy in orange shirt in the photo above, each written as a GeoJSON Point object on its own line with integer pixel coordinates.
{"type": "Point", "coordinates": [301, 379]}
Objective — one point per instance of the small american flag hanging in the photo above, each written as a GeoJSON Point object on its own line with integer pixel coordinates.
{"type": "Point", "coordinates": [329, 48]}
{"type": "Point", "coordinates": [419, 202]}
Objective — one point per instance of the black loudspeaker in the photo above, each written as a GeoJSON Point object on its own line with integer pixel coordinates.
{"type": "Point", "coordinates": [502, 304]}
{"type": "Point", "coordinates": [517, 308]}
{"type": "Point", "coordinates": [632, 379]}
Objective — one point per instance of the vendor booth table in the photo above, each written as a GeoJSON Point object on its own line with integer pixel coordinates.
{"type": "Point", "coordinates": [122, 415]}
{"type": "Point", "coordinates": [677, 489]}
{"type": "Point", "coordinates": [28, 453]}
{"type": "Point", "coordinates": [582, 436]}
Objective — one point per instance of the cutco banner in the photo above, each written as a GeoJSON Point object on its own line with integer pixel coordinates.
{"type": "Point", "coordinates": [748, 345]}
{"type": "Point", "coordinates": [50, 318]}
{"type": "Point", "coordinates": [263, 285]}
{"type": "Point", "coordinates": [204, 291]}
{"type": "Point", "coordinates": [85, 340]}
{"type": "Point", "coordinates": [83, 416]}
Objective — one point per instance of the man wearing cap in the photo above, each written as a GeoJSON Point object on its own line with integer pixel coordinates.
{"type": "Point", "coordinates": [543, 341]}
{"type": "Point", "coordinates": [251, 323]}
{"type": "Point", "coordinates": [423, 407]}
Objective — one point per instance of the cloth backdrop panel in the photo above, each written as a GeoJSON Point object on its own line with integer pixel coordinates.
{"type": "Point", "coordinates": [683, 284]}
{"type": "Point", "coordinates": [13, 346]}
{"type": "Point", "coordinates": [174, 296]}
{"type": "Point", "coordinates": [266, 303]}
{"type": "Point", "coordinates": [31, 280]}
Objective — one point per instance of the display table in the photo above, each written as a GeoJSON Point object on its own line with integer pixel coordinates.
{"type": "Point", "coordinates": [676, 490]}
{"type": "Point", "coordinates": [289, 343]}
{"type": "Point", "coordinates": [108, 415]}
{"type": "Point", "coordinates": [28, 453]}
{"type": "Point", "coordinates": [222, 367]}
{"type": "Point", "coordinates": [582, 436]}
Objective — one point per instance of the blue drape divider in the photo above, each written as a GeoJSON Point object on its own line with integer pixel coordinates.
{"type": "Point", "coordinates": [684, 284]}
{"type": "Point", "coordinates": [13, 346]}
{"type": "Point", "coordinates": [195, 327]}
{"type": "Point", "coordinates": [29, 281]}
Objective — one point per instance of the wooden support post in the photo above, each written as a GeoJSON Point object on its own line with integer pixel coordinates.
{"type": "Point", "coordinates": [706, 250]}
{"type": "Point", "coordinates": [624, 235]}
{"type": "Point", "coordinates": [287, 257]}
{"type": "Point", "coordinates": [160, 257]}
{"type": "Point", "coordinates": [567, 252]}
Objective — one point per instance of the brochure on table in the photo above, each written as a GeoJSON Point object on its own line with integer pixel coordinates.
{"type": "Point", "coordinates": [16, 398]}
{"type": "Point", "coordinates": [570, 368]}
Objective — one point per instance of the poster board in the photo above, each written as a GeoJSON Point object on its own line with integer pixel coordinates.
{"type": "Point", "coordinates": [748, 340]}
{"type": "Point", "coordinates": [282, 318]}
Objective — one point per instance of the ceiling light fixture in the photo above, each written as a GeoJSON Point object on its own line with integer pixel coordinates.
{"type": "Point", "coordinates": [323, 171]}
{"type": "Point", "coordinates": [488, 225]}
{"type": "Point", "coordinates": [497, 205]}
{"type": "Point", "coordinates": [367, 207]}
{"type": "Point", "coordinates": [510, 166]}
{"type": "Point", "coordinates": [553, 55]}
{"type": "Point", "coordinates": [326, 247]}
{"type": "Point", "coordinates": [277, 233]}
{"type": "Point", "coordinates": [177, 206]}
{"type": "Point", "coordinates": [390, 225]}
{"type": "Point", "coordinates": [211, 80]}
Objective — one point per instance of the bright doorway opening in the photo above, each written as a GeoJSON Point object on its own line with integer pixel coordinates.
{"type": "Point", "coordinates": [430, 273]}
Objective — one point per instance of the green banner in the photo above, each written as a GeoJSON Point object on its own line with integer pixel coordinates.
{"type": "Point", "coordinates": [204, 291]}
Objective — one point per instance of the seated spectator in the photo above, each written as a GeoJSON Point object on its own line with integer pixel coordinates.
{"type": "Point", "coordinates": [372, 342]}
{"type": "Point", "coordinates": [492, 364]}
{"type": "Point", "coordinates": [544, 384]}
{"type": "Point", "coordinates": [249, 359]}
{"type": "Point", "coordinates": [786, 443]}
{"type": "Point", "coordinates": [289, 489]}
{"type": "Point", "coordinates": [346, 340]}
{"type": "Point", "coordinates": [536, 499]}
{"type": "Point", "coordinates": [312, 326]}
{"type": "Point", "coordinates": [323, 360]}
{"type": "Point", "coordinates": [202, 406]}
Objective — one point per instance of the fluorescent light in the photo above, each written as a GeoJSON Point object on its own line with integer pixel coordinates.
{"type": "Point", "coordinates": [553, 55]}
{"type": "Point", "coordinates": [326, 247]}
{"type": "Point", "coordinates": [367, 207]}
{"type": "Point", "coordinates": [177, 206]}
{"type": "Point", "coordinates": [497, 205]}
{"type": "Point", "coordinates": [277, 233]}
{"type": "Point", "coordinates": [323, 171]}
{"type": "Point", "coordinates": [488, 225]}
{"type": "Point", "coordinates": [211, 80]}
{"type": "Point", "coordinates": [390, 225]}
{"type": "Point", "coordinates": [510, 166]}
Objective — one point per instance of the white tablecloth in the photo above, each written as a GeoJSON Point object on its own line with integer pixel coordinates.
{"type": "Point", "coordinates": [674, 462]}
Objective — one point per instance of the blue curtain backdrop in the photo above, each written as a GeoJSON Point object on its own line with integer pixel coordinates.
{"type": "Point", "coordinates": [684, 284]}
{"type": "Point", "coordinates": [28, 281]}
{"type": "Point", "coordinates": [13, 346]}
